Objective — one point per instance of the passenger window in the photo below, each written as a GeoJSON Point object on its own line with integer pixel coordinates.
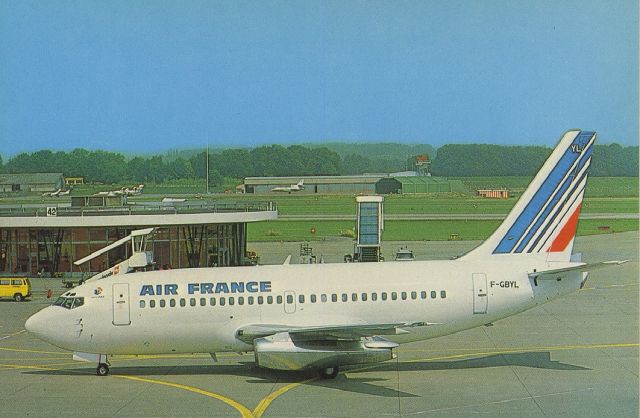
{"type": "Point", "coordinates": [313, 298]}
{"type": "Point", "coordinates": [16, 282]}
{"type": "Point", "coordinates": [279, 300]}
{"type": "Point", "coordinates": [433, 294]}
{"type": "Point", "coordinates": [374, 297]}
{"type": "Point", "coordinates": [394, 296]}
{"type": "Point", "coordinates": [270, 300]}
{"type": "Point", "coordinates": [301, 299]}
{"type": "Point", "coordinates": [221, 302]}
{"type": "Point", "coordinates": [250, 300]}
{"type": "Point", "coordinates": [163, 303]}
{"type": "Point", "coordinates": [5, 282]}
{"type": "Point", "coordinates": [203, 302]}
{"type": "Point", "coordinates": [141, 303]}
{"type": "Point", "coordinates": [364, 297]}
{"type": "Point", "coordinates": [183, 302]}
{"type": "Point", "coordinates": [345, 297]}
{"type": "Point", "coordinates": [231, 300]}
{"type": "Point", "coordinates": [423, 294]}
{"type": "Point", "coordinates": [289, 299]}
{"type": "Point", "coordinates": [334, 297]}
{"type": "Point", "coordinates": [443, 294]}
{"type": "Point", "coordinates": [192, 301]}
{"type": "Point", "coordinates": [240, 300]}
{"type": "Point", "coordinates": [260, 300]}
{"type": "Point", "coordinates": [323, 297]}
{"type": "Point", "coordinates": [414, 295]}
{"type": "Point", "coordinates": [384, 295]}
{"type": "Point", "coordinates": [354, 297]}
{"type": "Point", "coordinates": [152, 303]}
{"type": "Point", "coordinates": [212, 301]}
{"type": "Point", "coordinates": [172, 303]}
{"type": "Point", "coordinates": [404, 295]}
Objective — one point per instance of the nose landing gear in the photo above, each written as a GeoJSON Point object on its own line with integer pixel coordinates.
{"type": "Point", "coordinates": [103, 369]}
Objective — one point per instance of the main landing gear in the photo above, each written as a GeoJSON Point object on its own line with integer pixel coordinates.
{"type": "Point", "coordinates": [103, 369]}
{"type": "Point", "coordinates": [329, 372]}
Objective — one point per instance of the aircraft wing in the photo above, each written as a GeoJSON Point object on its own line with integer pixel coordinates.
{"type": "Point", "coordinates": [553, 274]}
{"type": "Point", "coordinates": [327, 333]}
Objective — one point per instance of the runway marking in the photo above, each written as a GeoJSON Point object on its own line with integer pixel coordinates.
{"type": "Point", "coordinates": [267, 400]}
{"type": "Point", "coordinates": [22, 350]}
{"type": "Point", "coordinates": [525, 349]}
{"type": "Point", "coordinates": [244, 411]}
{"type": "Point", "coordinates": [11, 335]}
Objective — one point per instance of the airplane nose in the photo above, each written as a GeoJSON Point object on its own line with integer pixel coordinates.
{"type": "Point", "coordinates": [36, 324]}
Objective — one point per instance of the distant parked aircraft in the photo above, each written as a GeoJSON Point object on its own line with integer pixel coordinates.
{"type": "Point", "coordinates": [124, 191]}
{"type": "Point", "coordinates": [293, 188]}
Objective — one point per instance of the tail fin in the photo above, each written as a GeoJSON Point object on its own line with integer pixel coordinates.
{"type": "Point", "coordinates": [543, 222]}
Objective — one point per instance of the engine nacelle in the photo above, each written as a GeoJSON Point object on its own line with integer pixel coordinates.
{"type": "Point", "coordinates": [282, 352]}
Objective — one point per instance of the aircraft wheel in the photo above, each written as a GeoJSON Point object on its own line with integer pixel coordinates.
{"type": "Point", "coordinates": [329, 372]}
{"type": "Point", "coordinates": [102, 369]}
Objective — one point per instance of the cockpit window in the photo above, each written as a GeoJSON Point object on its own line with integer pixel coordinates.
{"type": "Point", "coordinates": [69, 302]}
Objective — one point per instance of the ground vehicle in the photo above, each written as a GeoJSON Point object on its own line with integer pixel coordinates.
{"type": "Point", "coordinates": [17, 288]}
{"type": "Point", "coordinates": [404, 254]}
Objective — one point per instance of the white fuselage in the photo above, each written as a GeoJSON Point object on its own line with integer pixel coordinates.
{"type": "Point", "coordinates": [201, 310]}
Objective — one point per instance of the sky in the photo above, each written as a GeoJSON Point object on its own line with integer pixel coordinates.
{"type": "Point", "coordinates": [147, 76]}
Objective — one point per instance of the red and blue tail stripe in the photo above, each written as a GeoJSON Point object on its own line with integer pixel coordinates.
{"type": "Point", "coordinates": [555, 205]}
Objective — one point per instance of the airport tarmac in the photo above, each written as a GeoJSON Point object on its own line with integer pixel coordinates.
{"type": "Point", "coordinates": [575, 356]}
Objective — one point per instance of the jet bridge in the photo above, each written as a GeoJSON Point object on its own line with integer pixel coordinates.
{"type": "Point", "coordinates": [139, 256]}
{"type": "Point", "coordinates": [370, 225]}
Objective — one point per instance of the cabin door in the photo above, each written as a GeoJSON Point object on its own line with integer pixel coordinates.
{"type": "Point", "coordinates": [121, 315]}
{"type": "Point", "coordinates": [289, 301]}
{"type": "Point", "coordinates": [480, 293]}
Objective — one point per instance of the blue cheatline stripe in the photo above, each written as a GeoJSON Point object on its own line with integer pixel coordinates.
{"type": "Point", "coordinates": [554, 200]}
{"type": "Point", "coordinates": [542, 195]}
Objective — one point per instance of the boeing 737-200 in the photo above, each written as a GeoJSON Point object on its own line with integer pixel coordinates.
{"type": "Point", "coordinates": [325, 316]}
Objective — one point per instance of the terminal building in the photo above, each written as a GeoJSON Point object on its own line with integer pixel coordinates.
{"type": "Point", "coordinates": [41, 240]}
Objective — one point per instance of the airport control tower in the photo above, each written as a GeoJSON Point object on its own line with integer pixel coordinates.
{"type": "Point", "coordinates": [370, 224]}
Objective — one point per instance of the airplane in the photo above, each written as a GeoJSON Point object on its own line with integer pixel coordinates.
{"type": "Point", "coordinates": [326, 316]}
{"type": "Point", "coordinates": [292, 188]}
{"type": "Point", "coordinates": [55, 193]}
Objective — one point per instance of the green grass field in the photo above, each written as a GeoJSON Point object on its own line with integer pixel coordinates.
{"type": "Point", "coordinates": [436, 230]}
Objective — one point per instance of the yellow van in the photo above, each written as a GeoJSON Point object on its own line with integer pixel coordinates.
{"type": "Point", "coordinates": [17, 288]}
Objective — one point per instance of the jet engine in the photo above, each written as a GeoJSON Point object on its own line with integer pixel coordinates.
{"type": "Point", "coordinates": [282, 351]}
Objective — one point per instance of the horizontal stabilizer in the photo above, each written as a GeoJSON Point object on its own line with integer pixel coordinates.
{"type": "Point", "coordinates": [552, 274]}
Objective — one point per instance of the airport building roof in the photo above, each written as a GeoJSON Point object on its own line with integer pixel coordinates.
{"type": "Point", "coordinates": [30, 178]}
{"type": "Point", "coordinates": [364, 178]}
{"type": "Point", "coordinates": [41, 215]}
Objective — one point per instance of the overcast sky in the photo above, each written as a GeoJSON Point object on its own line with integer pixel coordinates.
{"type": "Point", "coordinates": [145, 76]}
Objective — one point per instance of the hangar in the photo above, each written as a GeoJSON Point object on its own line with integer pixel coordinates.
{"type": "Point", "coordinates": [418, 184]}
{"type": "Point", "coordinates": [365, 183]}
{"type": "Point", "coordinates": [47, 240]}
{"type": "Point", "coordinates": [31, 182]}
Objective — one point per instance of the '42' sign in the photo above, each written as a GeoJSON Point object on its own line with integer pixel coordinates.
{"type": "Point", "coordinates": [52, 211]}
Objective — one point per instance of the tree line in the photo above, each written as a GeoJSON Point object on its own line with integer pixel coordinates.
{"type": "Point", "coordinates": [454, 160]}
